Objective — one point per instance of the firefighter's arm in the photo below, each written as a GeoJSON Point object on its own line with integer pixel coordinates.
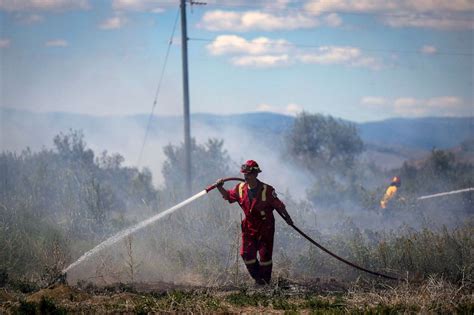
{"type": "Point", "coordinates": [230, 195]}
{"type": "Point", "coordinates": [222, 190]}
{"type": "Point", "coordinates": [280, 207]}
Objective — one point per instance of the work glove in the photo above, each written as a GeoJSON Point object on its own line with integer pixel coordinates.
{"type": "Point", "coordinates": [286, 216]}
{"type": "Point", "coordinates": [220, 182]}
{"type": "Point", "coordinates": [288, 220]}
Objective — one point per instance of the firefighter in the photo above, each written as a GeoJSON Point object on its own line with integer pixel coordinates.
{"type": "Point", "coordinates": [390, 192]}
{"type": "Point", "coordinates": [257, 200]}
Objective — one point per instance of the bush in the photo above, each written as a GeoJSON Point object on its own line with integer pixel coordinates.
{"type": "Point", "coordinates": [53, 197]}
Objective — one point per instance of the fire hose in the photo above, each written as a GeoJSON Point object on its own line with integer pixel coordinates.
{"type": "Point", "coordinates": [316, 243]}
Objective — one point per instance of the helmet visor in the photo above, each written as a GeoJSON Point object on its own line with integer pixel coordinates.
{"type": "Point", "coordinates": [247, 169]}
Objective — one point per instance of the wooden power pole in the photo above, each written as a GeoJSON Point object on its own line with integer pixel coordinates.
{"type": "Point", "coordinates": [187, 128]}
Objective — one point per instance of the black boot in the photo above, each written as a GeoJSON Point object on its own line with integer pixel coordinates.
{"type": "Point", "coordinates": [254, 271]}
{"type": "Point", "coordinates": [265, 273]}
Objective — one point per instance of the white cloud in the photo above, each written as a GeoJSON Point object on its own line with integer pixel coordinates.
{"type": "Point", "coordinates": [371, 6]}
{"type": "Point", "coordinates": [332, 55]}
{"type": "Point", "coordinates": [265, 52]}
{"type": "Point", "coordinates": [294, 109]}
{"type": "Point", "coordinates": [273, 4]}
{"type": "Point", "coordinates": [56, 43]}
{"type": "Point", "coordinates": [265, 108]}
{"type": "Point", "coordinates": [333, 20]}
{"type": "Point", "coordinates": [112, 23]}
{"type": "Point", "coordinates": [428, 49]}
{"type": "Point", "coordinates": [340, 55]}
{"type": "Point", "coordinates": [263, 61]}
{"type": "Point", "coordinates": [291, 109]}
{"type": "Point", "coordinates": [373, 101]}
{"type": "Point", "coordinates": [219, 20]}
{"type": "Point", "coordinates": [444, 102]}
{"type": "Point", "coordinates": [416, 107]}
{"type": "Point", "coordinates": [138, 5]}
{"type": "Point", "coordinates": [367, 62]}
{"type": "Point", "coordinates": [43, 5]}
{"type": "Point", "coordinates": [4, 42]}
{"type": "Point", "coordinates": [424, 21]}
{"type": "Point", "coordinates": [277, 4]}
{"type": "Point", "coordinates": [232, 44]}
{"type": "Point", "coordinates": [157, 10]}
{"type": "Point", "coordinates": [405, 102]}
{"type": "Point", "coordinates": [438, 14]}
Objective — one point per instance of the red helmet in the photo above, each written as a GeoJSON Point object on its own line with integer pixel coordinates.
{"type": "Point", "coordinates": [249, 167]}
{"type": "Point", "coordinates": [396, 181]}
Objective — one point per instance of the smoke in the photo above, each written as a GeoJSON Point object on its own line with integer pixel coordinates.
{"type": "Point", "coordinates": [125, 135]}
{"type": "Point", "coordinates": [207, 232]}
{"type": "Point", "coordinates": [243, 145]}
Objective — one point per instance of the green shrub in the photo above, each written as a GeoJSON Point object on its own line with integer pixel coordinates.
{"type": "Point", "coordinates": [26, 308]}
{"type": "Point", "coordinates": [47, 306]}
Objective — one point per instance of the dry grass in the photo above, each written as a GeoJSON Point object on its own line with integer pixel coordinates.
{"type": "Point", "coordinates": [433, 295]}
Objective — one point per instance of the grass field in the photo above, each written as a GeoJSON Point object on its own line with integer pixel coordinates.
{"type": "Point", "coordinates": [432, 295]}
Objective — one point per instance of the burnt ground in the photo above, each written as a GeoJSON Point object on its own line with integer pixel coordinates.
{"type": "Point", "coordinates": [315, 296]}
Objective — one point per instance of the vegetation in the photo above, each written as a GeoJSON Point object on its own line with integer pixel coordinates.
{"type": "Point", "coordinates": [327, 148]}
{"type": "Point", "coordinates": [209, 162]}
{"type": "Point", "coordinates": [55, 202]}
{"type": "Point", "coordinates": [58, 203]}
{"type": "Point", "coordinates": [439, 172]}
{"type": "Point", "coordinates": [429, 296]}
{"type": "Point", "coordinates": [318, 142]}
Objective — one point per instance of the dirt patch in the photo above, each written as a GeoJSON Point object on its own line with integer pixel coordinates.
{"type": "Point", "coordinates": [162, 287]}
{"type": "Point", "coordinates": [7, 296]}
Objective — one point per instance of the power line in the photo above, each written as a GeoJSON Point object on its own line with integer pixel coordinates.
{"type": "Point", "coordinates": [170, 42]}
{"type": "Point", "coordinates": [300, 45]}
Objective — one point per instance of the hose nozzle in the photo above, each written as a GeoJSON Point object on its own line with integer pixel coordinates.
{"type": "Point", "coordinates": [211, 187]}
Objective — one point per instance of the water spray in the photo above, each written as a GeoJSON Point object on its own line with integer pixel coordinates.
{"type": "Point", "coordinates": [446, 193]}
{"type": "Point", "coordinates": [124, 233]}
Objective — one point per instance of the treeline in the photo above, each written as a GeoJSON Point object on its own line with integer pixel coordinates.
{"type": "Point", "coordinates": [54, 199]}
{"type": "Point", "coordinates": [58, 203]}
{"type": "Point", "coordinates": [328, 149]}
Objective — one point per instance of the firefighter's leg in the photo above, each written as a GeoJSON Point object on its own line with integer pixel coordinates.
{"type": "Point", "coordinates": [248, 252]}
{"type": "Point", "coordinates": [265, 251]}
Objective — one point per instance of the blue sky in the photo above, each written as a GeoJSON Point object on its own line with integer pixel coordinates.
{"type": "Point", "coordinates": [358, 60]}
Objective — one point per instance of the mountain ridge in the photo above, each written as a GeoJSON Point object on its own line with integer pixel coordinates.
{"type": "Point", "coordinates": [416, 133]}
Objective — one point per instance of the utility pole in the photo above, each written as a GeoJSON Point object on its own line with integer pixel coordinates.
{"type": "Point", "coordinates": [187, 129]}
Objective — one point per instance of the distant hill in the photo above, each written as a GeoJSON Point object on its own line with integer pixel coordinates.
{"type": "Point", "coordinates": [413, 134]}
{"type": "Point", "coordinates": [419, 133]}
{"type": "Point", "coordinates": [258, 122]}
{"type": "Point", "coordinates": [391, 141]}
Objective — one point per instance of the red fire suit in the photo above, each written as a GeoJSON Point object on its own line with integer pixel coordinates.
{"type": "Point", "coordinates": [258, 227]}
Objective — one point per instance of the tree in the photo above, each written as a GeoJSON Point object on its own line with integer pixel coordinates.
{"type": "Point", "coordinates": [327, 147]}
{"type": "Point", "coordinates": [440, 172]}
{"type": "Point", "coordinates": [71, 147]}
{"type": "Point", "coordinates": [317, 141]}
{"type": "Point", "coordinates": [209, 162]}
{"type": "Point", "coordinates": [63, 197]}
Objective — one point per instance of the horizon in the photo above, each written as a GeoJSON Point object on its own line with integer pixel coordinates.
{"type": "Point", "coordinates": [228, 115]}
